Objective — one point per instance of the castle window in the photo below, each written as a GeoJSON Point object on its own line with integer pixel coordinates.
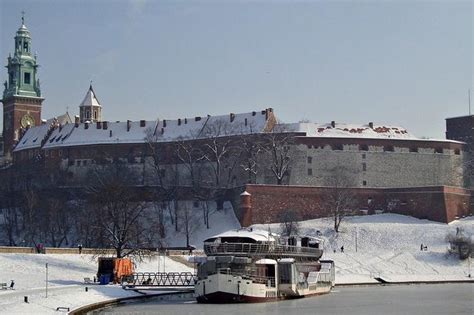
{"type": "Point", "coordinates": [310, 171]}
{"type": "Point", "coordinates": [363, 156]}
{"type": "Point", "coordinates": [310, 160]}
{"type": "Point", "coordinates": [457, 151]}
{"type": "Point", "coordinates": [364, 183]}
{"type": "Point", "coordinates": [364, 167]}
{"type": "Point", "coordinates": [337, 147]}
{"type": "Point", "coordinates": [414, 149]}
{"type": "Point", "coordinates": [388, 148]}
{"type": "Point", "coordinates": [439, 150]}
{"type": "Point", "coordinates": [363, 147]}
{"type": "Point", "coordinates": [27, 78]}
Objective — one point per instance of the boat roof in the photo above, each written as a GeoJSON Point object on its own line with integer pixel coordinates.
{"type": "Point", "coordinates": [257, 235]}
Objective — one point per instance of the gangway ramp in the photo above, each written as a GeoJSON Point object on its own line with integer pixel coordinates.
{"type": "Point", "coordinates": [175, 280]}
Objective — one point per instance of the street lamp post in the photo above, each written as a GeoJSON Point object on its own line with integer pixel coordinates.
{"type": "Point", "coordinates": [46, 279]}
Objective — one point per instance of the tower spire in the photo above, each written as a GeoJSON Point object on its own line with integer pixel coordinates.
{"type": "Point", "coordinates": [23, 17]}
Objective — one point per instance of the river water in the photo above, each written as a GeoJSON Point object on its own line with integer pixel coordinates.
{"type": "Point", "coordinates": [390, 299]}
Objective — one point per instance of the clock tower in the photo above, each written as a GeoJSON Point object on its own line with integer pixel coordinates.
{"type": "Point", "coordinates": [22, 95]}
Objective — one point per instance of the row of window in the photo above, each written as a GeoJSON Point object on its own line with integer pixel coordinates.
{"type": "Point", "coordinates": [387, 148]}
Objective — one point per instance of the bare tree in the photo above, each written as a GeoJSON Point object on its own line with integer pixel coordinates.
{"type": "Point", "coordinates": [290, 224]}
{"type": "Point", "coordinates": [251, 147]}
{"type": "Point", "coordinates": [278, 145]}
{"type": "Point", "coordinates": [166, 173]}
{"type": "Point", "coordinates": [10, 211]}
{"type": "Point", "coordinates": [339, 201]}
{"type": "Point", "coordinates": [117, 210]}
{"type": "Point", "coordinates": [188, 222]}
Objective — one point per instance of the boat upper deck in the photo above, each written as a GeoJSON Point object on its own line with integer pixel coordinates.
{"type": "Point", "coordinates": [261, 249]}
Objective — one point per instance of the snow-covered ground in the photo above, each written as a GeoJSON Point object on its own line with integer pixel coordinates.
{"type": "Point", "coordinates": [66, 287]}
{"type": "Point", "coordinates": [388, 246]}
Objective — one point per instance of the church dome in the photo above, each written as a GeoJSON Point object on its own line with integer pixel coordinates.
{"type": "Point", "coordinates": [23, 31]}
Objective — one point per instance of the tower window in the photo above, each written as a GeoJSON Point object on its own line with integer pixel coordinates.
{"type": "Point", "coordinates": [27, 78]}
{"type": "Point", "coordinates": [310, 171]}
{"type": "Point", "coordinates": [25, 46]}
{"type": "Point", "coordinates": [364, 167]}
{"type": "Point", "coordinates": [310, 160]}
{"type": "Point", "coordinates": [95, 114]}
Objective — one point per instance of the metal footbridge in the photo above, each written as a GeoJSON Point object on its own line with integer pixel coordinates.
{"type": "Point", "coordinates": [174, 280]}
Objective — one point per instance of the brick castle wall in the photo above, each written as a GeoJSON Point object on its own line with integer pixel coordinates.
{"type": "Point", "coordinates": [442, 204]}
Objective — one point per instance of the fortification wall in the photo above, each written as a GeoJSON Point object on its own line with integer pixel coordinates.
{"type": "Point", "coordinates": [443, 204]}
{"type": "Point", "coordinates": [378, 166]}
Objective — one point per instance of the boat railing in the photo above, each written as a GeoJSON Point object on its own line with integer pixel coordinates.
{"type": "Point", "coordinates": [268, 281]}
{"type": "Point", "coordinates": [248, 249]}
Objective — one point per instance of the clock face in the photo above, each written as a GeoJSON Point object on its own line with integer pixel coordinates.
{"type": "Point", "coordinates": [27, 120]}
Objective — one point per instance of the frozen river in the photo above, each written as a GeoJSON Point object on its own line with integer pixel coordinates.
{"type": "Point", "coordinates": [392, 299]}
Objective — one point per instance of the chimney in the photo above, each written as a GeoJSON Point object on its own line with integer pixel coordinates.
{"type": "Point", "coordinates": [162, 130]}
{"type": "Point", "coordinates": [128, 125]}
{"type": "Point", "coordinates": [76, 121]}
{"type": "Point", "coordinates": [99, 125]}
{"type": "Point", "coordinates": [245, 121]}
{"type": "Point", "coordinates": [105, 125]}
{"type": "Point", "coordinates": [185, 120]}
{"type": "Point", "coordinates": [254, 113]}
{"type": "Point", "coordinates": [110, 133]}
{"type": "Point", "coordinates": [86, 125]}
{"type": "Point", "coordinates": [232, 117]}
{"type": "Point", "coordinates": [333, 124]}
{"type": "Point", "coordinates": [179, 121]}
{"type": "Point", "coordinates": [142, 123]}
{"type": "Point", "coordinates": [371, 125]}
{"type": "Point", "coordinates": [197, 118]}
{"type": "Point", "coordinates": [164, 123]}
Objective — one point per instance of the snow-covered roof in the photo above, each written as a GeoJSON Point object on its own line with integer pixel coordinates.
{"type": "Point", "coordinates": [257, 235]}
{"type": "Point", "coordinates": [90, 99]}
{"type": "Point", "coordinates": [344, 130]}
{"type": "Point", "coordinates": [35, 135]}
{"type": "Point", "coordinates": [162, 130]}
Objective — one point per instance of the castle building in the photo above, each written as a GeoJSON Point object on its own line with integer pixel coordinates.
{"type": "Point", "coordinates": [386, 167]}
{"type": "Point", "coordinates": [22, 94]}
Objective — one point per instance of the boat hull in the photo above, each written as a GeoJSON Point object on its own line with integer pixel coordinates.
{"type": "Point", "coordinates": [226, 297]}
{"type": "Point", "coordinates": [222, 289]}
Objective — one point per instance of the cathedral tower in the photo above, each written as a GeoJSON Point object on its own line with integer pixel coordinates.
{"type": "Point", "coordinates": [90, 108]}
{"type": "Point", "coordinates": [22, 95]}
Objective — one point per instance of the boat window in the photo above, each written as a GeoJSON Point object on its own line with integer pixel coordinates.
{"type": "Point", "coordinates": [304, 242]}
{"type": "Point", "coordinates": [292, 241]}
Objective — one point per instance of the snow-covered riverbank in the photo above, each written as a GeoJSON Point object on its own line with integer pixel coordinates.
{"type": "Point", "coordinates": [388, 246]}
{"type": "Point", "coordinates": [66, 286]}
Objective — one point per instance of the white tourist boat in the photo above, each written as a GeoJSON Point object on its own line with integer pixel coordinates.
{"type": "Point", "coordinates": [257, 266]}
